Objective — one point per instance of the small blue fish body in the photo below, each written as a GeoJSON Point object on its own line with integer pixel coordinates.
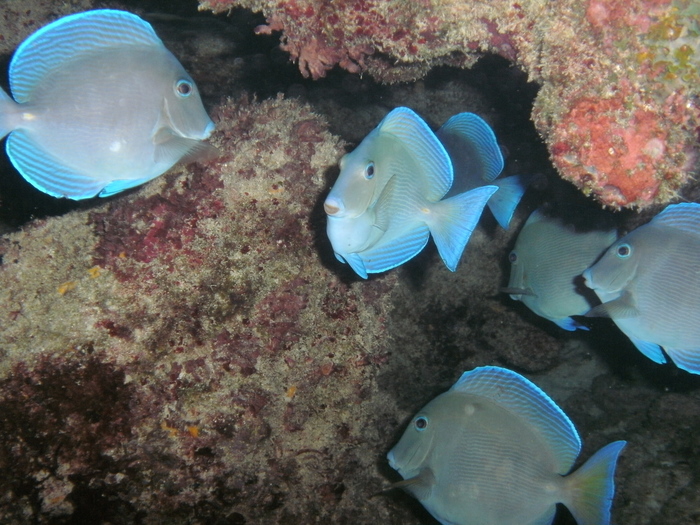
{"type": "Point", "coordinates": [649, 284]}
{"type": "Point", "coordinates": [100, 106]}
{"type": "Point", "coordinates": [496, 450]}
{"type": "Point", "coordinates": [477, 161]}
{"type": "Point", "coordinates": [387, 200]}
{"type": "Point", "coordinates": [546, 262]}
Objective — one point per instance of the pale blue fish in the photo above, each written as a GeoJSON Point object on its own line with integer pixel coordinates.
{"type": "Point", "coordinates": [387, 199]}
{"type": "Point", "coordinates": [496, 450]}
{"type": "Point", "coordinates": [546, 261]}
{"type": "Point", "coordinates": [649, 283]}
{"type": "Point", "coordinates": [100, 106]}
{"type": "Point", "coordinates": [477, 160]}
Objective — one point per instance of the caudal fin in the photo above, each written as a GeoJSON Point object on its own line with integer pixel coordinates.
{"type": "Point", "coordinates": [8, 113]}
{"type": "Point", "coordinates": [592, 487]}
{"type": "Point", "coordinates": [504, 202]}
{"type": "Point", "coordinates": [453, 221]}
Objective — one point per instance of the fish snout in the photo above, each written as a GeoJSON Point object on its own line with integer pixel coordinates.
{"type": "Point", "coordinates": [333, 207]}
{"type": "Point", "coordinates": [588, 279]}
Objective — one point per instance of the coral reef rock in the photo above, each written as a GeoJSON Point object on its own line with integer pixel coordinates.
{"type": "Point", "coordinates": [618, 79]}
{"type": "Point", "coordinates": [183, 351]}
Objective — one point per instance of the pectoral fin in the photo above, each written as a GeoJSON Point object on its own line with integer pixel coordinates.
{"type": "Point", "coordinates": [621, 308]}
{"type": "Point", "coordinates": [421, 486]}
{"type": "Point", "coordinates": [171, 148]}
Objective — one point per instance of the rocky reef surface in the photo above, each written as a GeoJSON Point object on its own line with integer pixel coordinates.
{"type": "Point", "coordinates": [617, 105]}
{"type": "Point", "coordinates": [192, 352]}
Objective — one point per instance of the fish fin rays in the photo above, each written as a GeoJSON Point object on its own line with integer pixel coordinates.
{"type": "Point", "coordinates": [477, 134]}
{"type": "Point", "coordinates": [621, 308]}
{"type": "Point", "coordinates": [424, 147]}
{"type": "Point", "coordinates": [683, 216]}
{"type": "Point", "coordinates": [355, 262]}
{"type": "Point", "coordinates": [527, 401]}
{"type": "Point", "coordinates": [591, 488]}
{"type": "Point", "coordinates": [46, 173]}
{"type": "Point", "coordinates": [570, 324]}
{"type": "Point", "coordinates": [454, 221]}
{"type": "Point", "coordinates": [394, 252]}
{"type": "Point", "coordinates": [503, 203]}
{"type": "Point", "coordinates": [547, 518]}
{"type": "Point", "coordinates": [171, 149]}
{"type": "Point", "coordinates": [71, 36]}
{"type": "Point", "coordinates": [117, 186]}
{"type": "Point", "coordinates": [651, 350]}
{"type": "Point", "coordinates": [688, 360]}
{"type": "Point", "coordinates": [421, 486]}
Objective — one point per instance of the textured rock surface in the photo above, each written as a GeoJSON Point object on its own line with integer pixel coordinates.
{"type": "Point", "coordinates": [618, 79]}
{"type": "Point", "coordinates": [191, 352]}
{"type": "Point", "coordinates": [185, 347]}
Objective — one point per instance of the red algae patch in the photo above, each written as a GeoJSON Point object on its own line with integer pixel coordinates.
{"type": "Point", "coordinates": [203, 346]}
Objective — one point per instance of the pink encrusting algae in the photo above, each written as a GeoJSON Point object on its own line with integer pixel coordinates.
{"type": "Point", "coordinates": [618, 79]}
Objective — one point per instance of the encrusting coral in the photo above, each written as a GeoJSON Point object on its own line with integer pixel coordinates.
{"type": "Point", "coordinates": [618, 78]}
{"type": "Point", "coordinates": [187, 336]}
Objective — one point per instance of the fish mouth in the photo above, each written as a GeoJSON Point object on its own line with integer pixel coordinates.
{"type": "Point", "coordinates": [588, 280]}
{"type": "Point", "coordinates": [333, 207]}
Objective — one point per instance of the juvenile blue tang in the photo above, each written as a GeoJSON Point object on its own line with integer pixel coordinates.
{"type": "Point", "coordinates": [477, 161]}
{"type": "Point", "coordinates": [101, 106]}
{"type": "Point", "coordinates": [649, 283]}
{"type": "Point", "coordinates": [545, 263]}
{"type": "Point", "coordinates": [496, 450]}
{"type": "Point", "coordinates": [387, 199]}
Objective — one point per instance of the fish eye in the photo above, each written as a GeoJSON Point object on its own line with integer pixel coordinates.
{"type": "Point", "coordinates": [369, 171]}
{"type": "Point", "coordinates": [624, 251]}
{"type": "Point", "coordinates": [421, 423]}
{"type": "Point", "coordinates": [184, 88]}
{"type": "Point", "coordinates": [513, 257]}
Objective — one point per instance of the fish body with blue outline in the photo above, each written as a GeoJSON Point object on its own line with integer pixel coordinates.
{"type": "Point", "coordinates": [496, 450]}
{"type": "Point", "coordinates": [478, 161]}
{"type": "Point", "coordinates": [100, 106]}
{"type": "Point", "coordinates": [388, 199]}
{"type": "Point", "coordinates": [649, 285]}
{"type": "Point", "coordinates": [546, 263]}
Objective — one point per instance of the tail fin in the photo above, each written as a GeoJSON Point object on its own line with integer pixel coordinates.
{"type": "Point", "coordinates": [592, 487]}
{"type": "Point", "coordinates": [453, 221]}
{"type": "Point", "coordinates": [504, 202]}
{"type": "Point", "coordinates": [8, 113]}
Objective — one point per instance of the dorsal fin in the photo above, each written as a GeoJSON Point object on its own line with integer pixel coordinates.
{"type": "Point", "coordinates": [425, 148]}
{"type": "Point", "coordinates": [70, 37]}
{"type": "Point", "coordinates": [473, 130]}
{"type": "Point", "coordinates": [685, 217]}
{"type": "Point", "coordinates": [527, 401]}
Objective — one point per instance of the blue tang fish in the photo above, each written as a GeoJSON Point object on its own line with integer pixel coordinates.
{"type": "Point", "coordinates": [100, 106]}
{"type": "Point", "coordinates": [477, 161]}
{"type": "Point", "coordinates": [649, 283]}
{"type": "Point", "coordinates": [496, 450]}
{"type": "Point", "coordinates": [545, 263]}
{"type": "Point", "coordinates": [387, 199]}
